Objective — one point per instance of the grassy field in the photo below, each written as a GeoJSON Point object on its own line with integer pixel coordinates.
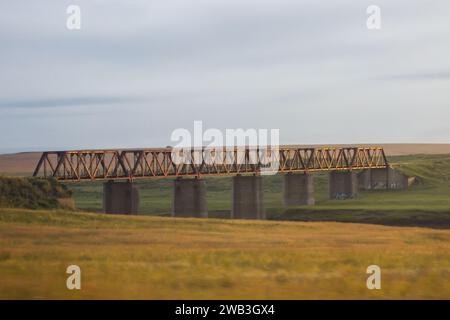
{"type": "Point", "coordinates": [162, 258]}
{"type": "Point", "coordinates": [154, 257]}
{"type": "Point", "coordinates": [425, 204]}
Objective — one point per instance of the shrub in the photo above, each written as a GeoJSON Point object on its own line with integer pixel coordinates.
{"type": "Point", "coordinates": [32, 193]}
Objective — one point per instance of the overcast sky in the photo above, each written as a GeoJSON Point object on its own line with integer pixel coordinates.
{"type": "Point", "coordinates": [137, 70]}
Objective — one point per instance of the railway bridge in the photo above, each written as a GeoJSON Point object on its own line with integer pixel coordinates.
{"type": "Point", "coordinates": [349, 168]}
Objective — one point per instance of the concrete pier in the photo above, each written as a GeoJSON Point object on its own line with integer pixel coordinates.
{"type": "Point", "coordinates": [397, 180]}
{"type": "Point", "coordinates": [189, 198]}
{"type": "Point", "coordinates": [373, 179]}
{"type": "Point", "coordinates": [298, 189]}
{"type": "Point", "coordinates": [120, 198]}
{"type": "Point", "coordinates": [247, 198]}
{"type": "Point", "coordinates": [382, 179]}
{"type": "Point", "coordinates": [343, 185]}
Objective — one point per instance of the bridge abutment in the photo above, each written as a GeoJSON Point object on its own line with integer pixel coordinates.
{"type": "Point", "coordinates": [247, 198]}
{"type": "Point", "coordinates": [298, 189]}
{"type": "Point", "coordinates": [189, 198]}
{"type": "Point", "coordinates": [120, 198]}
{"type": "Point", "coordinates": [343, 185]}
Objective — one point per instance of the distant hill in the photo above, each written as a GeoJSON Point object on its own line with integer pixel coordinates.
{"type": "Point", "coordinates": [19, 163]}
{"type": "Point", "coordinates": [25, 162]}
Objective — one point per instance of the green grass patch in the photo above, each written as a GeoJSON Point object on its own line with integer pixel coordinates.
{"type": "Point", "coordinates": [425, 204]}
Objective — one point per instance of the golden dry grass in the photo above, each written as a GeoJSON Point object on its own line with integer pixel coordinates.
{"type": "Point", "coordinates": [164, 258]}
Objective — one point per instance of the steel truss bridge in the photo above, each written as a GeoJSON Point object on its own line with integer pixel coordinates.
{"type": "Point", "coordinates": [104, 165]}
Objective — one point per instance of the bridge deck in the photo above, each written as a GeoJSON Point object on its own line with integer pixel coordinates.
{"type": "Point", "coordinates": [91, 165]}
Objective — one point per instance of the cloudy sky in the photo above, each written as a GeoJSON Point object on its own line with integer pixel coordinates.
{"type": "Point", "coordinates": [138, 70]}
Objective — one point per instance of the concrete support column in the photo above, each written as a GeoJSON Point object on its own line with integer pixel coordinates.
{"type": "Point", "coordinates": [120, 198]}
{"type": "Point", "coordinates": [343, 185]}
{"type": "Point", "coordinates": [373, 179]}
{"type": "Point", "coordinates": [397, 180]}
{"type": "Point", "coordinates": [365, 180]}
{"type": "Point", "coordinates": [298, 189]}
{"type": "Point", "coordinates": [248, 198]}
{"type": "Point", "coordinates": [189, 198]}
{"type": "Point", "coordinates": [379, 179]}
{"type": "Point", "coordinates": [382, 179]}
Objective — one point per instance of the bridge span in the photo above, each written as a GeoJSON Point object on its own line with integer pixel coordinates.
{"type": "Point", "coordinates": [82, 165]}
{"type": "Point", "coordinates": [118, 169]}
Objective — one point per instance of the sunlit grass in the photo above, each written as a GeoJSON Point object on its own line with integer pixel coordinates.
{"type": "Point", "coordinates": [164, 258]}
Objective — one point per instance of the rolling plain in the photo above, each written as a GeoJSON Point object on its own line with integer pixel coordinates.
{"type": "Point", "coordinates": [299, 253]}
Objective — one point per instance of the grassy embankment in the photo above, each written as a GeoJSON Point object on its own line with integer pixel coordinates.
{"type": "Point", "coordinates": [161, 258]}
{"type": "Point", "coordinates": [425, 204]}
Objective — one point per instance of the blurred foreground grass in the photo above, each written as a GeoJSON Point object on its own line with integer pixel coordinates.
{"type": "Point", "coordinates": [163, 258]}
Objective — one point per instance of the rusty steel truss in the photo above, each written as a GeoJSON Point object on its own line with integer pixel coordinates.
{"type": "Point", "coordinates": [91, 165]}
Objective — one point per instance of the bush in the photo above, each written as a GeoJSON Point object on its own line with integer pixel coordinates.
{"type": "Point", "coordinates": [32, 193]}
